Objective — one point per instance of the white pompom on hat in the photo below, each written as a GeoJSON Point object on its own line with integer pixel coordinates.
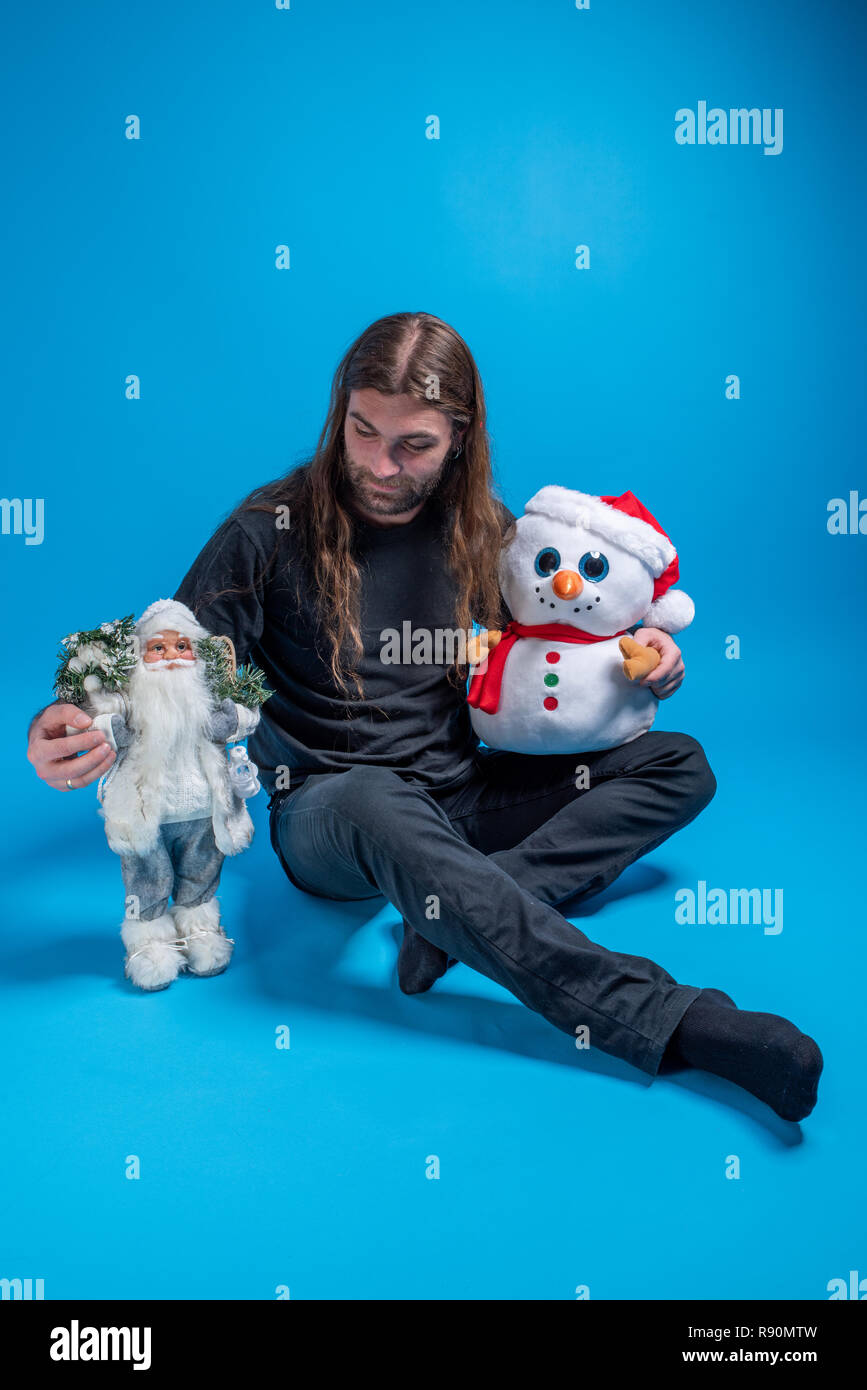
{"type": "Point", "coordinates": [625, 522]}
{"type": "Point", "coordinates": [168, 615]}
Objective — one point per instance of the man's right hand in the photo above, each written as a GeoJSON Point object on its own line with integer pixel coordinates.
{"type": "Point", "coordinates": [52, 751]}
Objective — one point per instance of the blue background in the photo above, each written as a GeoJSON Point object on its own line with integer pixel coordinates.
{"type": "Point", "coordinates": [306, 1167]}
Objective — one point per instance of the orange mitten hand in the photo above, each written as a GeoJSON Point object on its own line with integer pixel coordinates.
{"type": "Point", "coordinates": [640, 660]}
{"type": "Point", "coordinates": [480, 644]}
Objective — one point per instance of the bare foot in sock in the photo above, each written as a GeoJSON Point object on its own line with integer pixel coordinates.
{"type": "Point", "coordinates": [420, 963]}
{"type": "Point", "coordinates": [764, 1053]}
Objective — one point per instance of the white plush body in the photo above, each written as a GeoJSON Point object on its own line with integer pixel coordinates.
{"type": "Point", "coordinates": [597, 707]}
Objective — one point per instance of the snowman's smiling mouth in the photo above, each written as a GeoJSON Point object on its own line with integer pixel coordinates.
{"type": "Point", "coordinates": [587, 607]}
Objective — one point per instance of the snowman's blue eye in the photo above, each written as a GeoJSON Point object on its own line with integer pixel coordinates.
{"type": "Point", "coordinates": [593, 566]}
{"type": "Point", "coordinates": [547, 561]}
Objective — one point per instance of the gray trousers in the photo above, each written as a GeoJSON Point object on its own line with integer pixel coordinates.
{"type": "Point", "coordinates": [184, 864]}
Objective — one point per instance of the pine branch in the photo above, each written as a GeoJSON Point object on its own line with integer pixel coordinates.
{"type": "Point", "coordinates": [246, 687]}
{"type": "Point", "coordinates": [106, 652]}
{"type": "Point", "coordinates": [218, 669]}
{"type": "Point", "coordinates": [249, 688]}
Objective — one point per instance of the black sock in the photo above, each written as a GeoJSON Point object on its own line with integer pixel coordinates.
{"type": "Point", "coordinates": [764, 1053]}
{"type": "Point", "coordinates": [419, 963]}
{"type": "Point", "coordinates": [671, 1058]}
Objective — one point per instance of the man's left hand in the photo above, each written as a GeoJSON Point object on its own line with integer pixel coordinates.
{"type": "Point", "coordinates": [665, 678]}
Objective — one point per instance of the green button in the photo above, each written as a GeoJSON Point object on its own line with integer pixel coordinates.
{"type": "Point", "coordinates": [551, 679]}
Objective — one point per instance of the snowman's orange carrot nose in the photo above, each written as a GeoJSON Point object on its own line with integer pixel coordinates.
{"type": "Point", "coordinates": [567, 584]}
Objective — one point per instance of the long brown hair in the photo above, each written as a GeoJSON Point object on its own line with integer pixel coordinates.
{"type": "Point", "coordinates": [401, 354]}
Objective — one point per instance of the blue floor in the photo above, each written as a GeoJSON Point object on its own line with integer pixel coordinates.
{"type": "Point", "coordinates": [303, 1169]}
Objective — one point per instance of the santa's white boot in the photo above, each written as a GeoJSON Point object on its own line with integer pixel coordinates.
{"type": "Point", "coordinates": [152, 961]}
{"type": "Point", "coordinates": [207, 948]}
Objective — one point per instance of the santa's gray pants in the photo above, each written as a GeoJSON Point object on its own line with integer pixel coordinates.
{"type": "Point", "coordinates": [184, 864]}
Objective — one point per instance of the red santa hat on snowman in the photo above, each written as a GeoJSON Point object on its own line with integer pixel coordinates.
{"type": "Point", "coordinates": [625, 522]}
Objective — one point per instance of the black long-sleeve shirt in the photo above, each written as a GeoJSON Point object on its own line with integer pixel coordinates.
{"type": "Point", "coordinates": [411, 719]}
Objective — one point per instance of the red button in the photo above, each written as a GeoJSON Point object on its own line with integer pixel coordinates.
{"type": "Point", "coordinates": [549, 702]}
{"type": "Point", "coordinates": [552, 656]}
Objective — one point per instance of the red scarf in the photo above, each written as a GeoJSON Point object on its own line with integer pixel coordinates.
{"type": "Point", "coordinates": [484, 691]}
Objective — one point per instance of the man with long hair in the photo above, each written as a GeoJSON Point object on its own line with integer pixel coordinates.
{"type": "Point", "coordinates": [377, 783]}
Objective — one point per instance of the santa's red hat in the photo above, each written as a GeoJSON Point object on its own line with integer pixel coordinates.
{"type": "Point", "coordinates": [625, 522]}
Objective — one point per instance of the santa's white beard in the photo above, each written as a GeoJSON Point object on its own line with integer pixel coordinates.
{"type": "Point", "coordinates": [169, 705]}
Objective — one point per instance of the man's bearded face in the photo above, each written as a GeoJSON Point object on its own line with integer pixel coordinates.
{"type": "Point", "coordinates": [169, 696]}
{"type": "Point", "coordinates": [394, 452]}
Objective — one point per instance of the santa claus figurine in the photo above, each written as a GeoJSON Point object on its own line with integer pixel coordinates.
{"type": "Point", "coordinates": [173, 805]}
{"type": "Point", "coordinates": [564, 675]}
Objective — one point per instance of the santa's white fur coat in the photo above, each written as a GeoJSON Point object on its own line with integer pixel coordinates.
{"type": "Point", "coordinates": [130, 793]}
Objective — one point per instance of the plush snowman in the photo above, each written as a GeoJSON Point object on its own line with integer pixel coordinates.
{"type": "Point", "coordinates": [563, 676]}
